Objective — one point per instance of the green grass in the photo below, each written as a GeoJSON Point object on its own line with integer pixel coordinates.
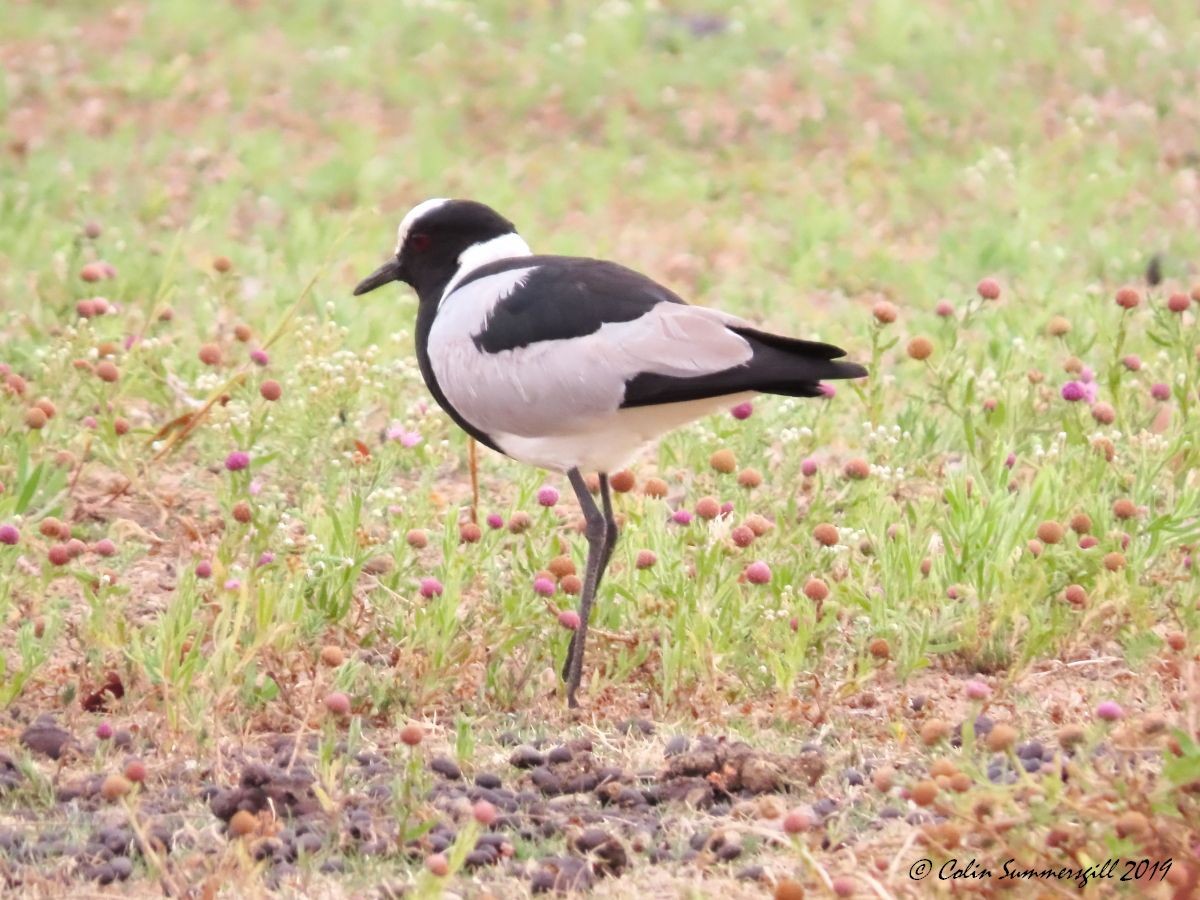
{"type": "Point", "coordinates": [798, 166]}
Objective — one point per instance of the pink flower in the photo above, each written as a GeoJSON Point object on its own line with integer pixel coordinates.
{"type": "Point", "coordinates": [1010, 460]}
{"type": "Point", "coordinates": [568, 618]}
{"type": "Point", "coordinates": [237, 460]}
{"type": "Point", "coordinates": [89, 421]}
{"type": "Point", "coordinates": [104, 731]}
{"type": "Point", "coordinates": [495, 520]}
{"type": "Point", "coordinates": [681, 517]}
{"type": "Point", "coordinates": [232, 584]}
{"type": "Point", "coordinates": [1110, 711]}
{"type": "Point", "coordinates": [977, 690]}
{"type": "Point", "coordinates": [9, 534]}
{"type": "Point", "coordinates": [405, 437]}
{"type": "Point", "coordinates": [1073, 392]}
{"type": "Point", "coordinates": [204, 569]}
{"type": "Point", "coordinates": [547, 496]}
{"type": "Point", "coordinates": [431, 587]}
{"type": "Point", "coordinates": [1132, 362]}
{"type": "Point", "coordinates": [828, 391]}
{"type": "Point", "coordinates": [742, 410]}
{"type": "Point", "coordinates": [809, 467]}
{"type": "Point", "coordinates": [758, 573]}
{"type": "Point", "coordinates": [105, 547]}
{"type": "Point", "coordinates": [944, 308]}
{"type": "Point", "coordinates": [1160, 391]}
{"type": "Point", "coordinates": [260, 357]}
{"type": "Point", "coordinates": [544, 586]}
{"type": "Point", "coordinates": [256, 487]}
{"type": "Point", "coordinates": [266, 558]}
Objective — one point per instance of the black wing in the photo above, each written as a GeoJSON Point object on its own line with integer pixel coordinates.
{"type": "Point", "coordinates": [564, 297]}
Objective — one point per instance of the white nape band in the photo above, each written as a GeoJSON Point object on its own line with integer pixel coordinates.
{"type": "Point", "coordinates": [507, 246]}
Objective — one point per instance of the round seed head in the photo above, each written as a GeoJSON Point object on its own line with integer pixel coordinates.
{"type": "Point", "coordinates": [760, 525]}
{"type": "Point", "coordinates": [210, 354]}
{"type": "Point", "coordinates": [1104, 413]}
{"type": "Point", "coordinates": [826, 534]}
{"type": "Point", "coordinates": [655, 487]}
{"type": "Point", "coordinates": [412, 734]}
{"type": "Point", "coordinates": [438, 865]}
{"type": "Point", "coordinates": [797, 821]}
{"type": "Point", "coordinates": [469, 533]}
{"type": "Point", "coordinates": [885, 313]}
{"type": "Point", "coordinates": [242, 512]}
{"type": "Point", "coordinates": [1114, 561]}
{"type": "Point", "coordinates": [571, 584]}
{"type": "Point", "coordinates": [484, 813]}
{"type": "Point", "coordinates": [1128, 298]}
{"type": "Point", "coordinates": [417, 538]}
{"type": "Point", "coordinates": [332, 655]}
{"type": "Point", "coordinates": [723, 461]}
{"type": "Point", "coordinates": [1132, 362]}
{"type": "Point", "coordinates": [337, 703]}
{"type": "Point", "coordinates": [1075, 595]}
{"type": "Point", "coordinates": [243, 823]}
{"type": "Point", "coordinates": [1178, 303]}
{"type": "Point", "coordinates": [758, 573]}
{"type": "Point", "coordinates": [988, 289]}
{"type": "Point", "coordinates": [271, 390]}
{"type": "Point", "coordinates": [749, 478]}
{"type": "Point", "coordinates": [519, 522]}
{"type": "Point", "coordinates": [816, 590]}
{"type": "Point", "coordinates": [222, 264]}
{"type": "Point", "coordinates": [944, 308]}
{"type": "Point", "coordinates": [622, 482]}
{"type": "Point", "coordinates": [569, 619]}
{"type": "Point", "coordinates": [431, 587]}
{"type": "Point", "coordinates": [114, 787]}
{"type": "Point", "coordinates": [1125, 508]}
{"type": "Point", "coordinates": [1050, 533]}
{"type": "Point", "coordinates": [924, 792]}
{"type": "Point", "coordinates": [58, 555]}
{"type": "Point", "coordinates": [1058, 326]}
{"type": "Point", "coordinates": [35, 418]}
{"type": "Point", "coordinates": [646, 559]}
{"type": "Point", "coordinates": [879, 648]}
{"type": "Point", "coordinates": [742, 536]}
{"type": "Point", "coordinates": [857, 469]}
{"type": "Point", "coordinates": [920, 348]}
{"type": "Point", "coordinates": [242, 332]}
{"type": "Point", "coordinates": [708, 507]}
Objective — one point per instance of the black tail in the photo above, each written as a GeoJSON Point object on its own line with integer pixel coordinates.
{"type": "Point", "coordinates": [780, 365]}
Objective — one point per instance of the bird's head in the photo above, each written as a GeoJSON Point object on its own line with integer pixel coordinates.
{"type": "Point", "coordinates": [440, 239]}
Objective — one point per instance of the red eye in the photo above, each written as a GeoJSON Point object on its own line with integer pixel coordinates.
{"type": "Point", "coordinates": [419, 242]}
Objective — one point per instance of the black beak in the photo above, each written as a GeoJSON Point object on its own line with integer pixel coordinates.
{"type": "Point", "coordinates": [389, 271]}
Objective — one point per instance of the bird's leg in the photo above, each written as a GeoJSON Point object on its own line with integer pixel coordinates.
{"type": "Point", "coordinates": [610, 522]}
{"type": "Point", "coordinates": [597, 538]}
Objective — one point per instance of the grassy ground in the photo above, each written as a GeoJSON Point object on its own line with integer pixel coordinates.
{"type": "Point", "coordinates": [951, 539]}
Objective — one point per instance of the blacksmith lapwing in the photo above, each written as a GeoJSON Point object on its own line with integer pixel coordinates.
{"type": "Point", "coordinates": [574, 364]}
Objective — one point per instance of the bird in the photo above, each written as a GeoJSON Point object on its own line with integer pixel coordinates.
{"type": "Point", "coordinates": [574, 364]}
